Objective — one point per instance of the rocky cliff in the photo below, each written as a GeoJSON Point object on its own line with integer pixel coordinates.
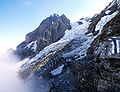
{"type": "Point", "coordinates": [50, 30]}
{"type": "Point", "coordinates": [85, 59]}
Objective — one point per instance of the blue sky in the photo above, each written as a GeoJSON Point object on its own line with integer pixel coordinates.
{"type": "Point", "coordinates": [18, 17]}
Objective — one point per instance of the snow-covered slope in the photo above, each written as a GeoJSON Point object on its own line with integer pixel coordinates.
{"type": "Point", "coordinates": [77, 31]}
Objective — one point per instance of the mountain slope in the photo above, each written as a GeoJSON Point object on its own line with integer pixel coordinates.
{"type": "Point", "coordinates": [85, 59]}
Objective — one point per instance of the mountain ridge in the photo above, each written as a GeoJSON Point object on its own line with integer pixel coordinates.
{"type": "Point", "coordinates": [49, 31]}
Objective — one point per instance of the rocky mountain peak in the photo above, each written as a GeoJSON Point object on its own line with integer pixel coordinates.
{"type": "Point", "coordinates": [50, 30]}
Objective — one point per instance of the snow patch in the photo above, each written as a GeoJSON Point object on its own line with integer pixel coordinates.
{"type": "Point", "coordinates": [32, 45]}
{"type": "Point", "coordinates": [107, 12]}
{"type": "Point", "coordinates": [57, 70]}
{"type": "Point", "coordinates": [104, 20]}
{"type": "Point", "coordinates": [112, 3]}
{"type": "Point", "coordinates": [118, 47]}
{"type": "Point", "coordinates": [49, 49]}
{"type": "Point", "coordinates": [113, 46]}
{"type": "Point", "coordinates": [118, 2]}
{"type": "Point", "coordinates": [81, 51]}
{"type": "Point", "coordinates": [76, 31]}
{"type": "Point", "coordinates": [52, 22]}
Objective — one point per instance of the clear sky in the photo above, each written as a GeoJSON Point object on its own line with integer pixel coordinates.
{"type": "Point", "coordinates": [18, 17]}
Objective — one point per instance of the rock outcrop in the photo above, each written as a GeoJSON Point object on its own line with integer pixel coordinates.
{"type": "Point", "coordinates": [111, 8]}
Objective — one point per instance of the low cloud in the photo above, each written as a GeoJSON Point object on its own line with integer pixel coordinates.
{"type": "Point", "coordinates": [9, 80]}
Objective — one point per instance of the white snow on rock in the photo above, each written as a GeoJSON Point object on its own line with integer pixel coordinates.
{"type": "Point", "coordinates": [57, 70]}
{"type": "Point", "coordinates": [113, 46]}
{"type": "Point", "coordinates": [76, 31]}
{"type": "Point", "coordinates": [107, 12]}
{"type": "Point", "coordinates": [104, 20]}
{"type": "Point", "coordinates": [81, 51]}
{"type": "Point", "coordinates": [118, 46]}
{"type": "Point", "coordinates": [118, 2]}
{"type": "Point", "coordinates": [112, 3]}
{"type": "Point", "coordinates": [32, 45]}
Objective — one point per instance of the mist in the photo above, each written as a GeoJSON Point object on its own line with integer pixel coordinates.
{"type": "Point", "coordinates": [9, 79]}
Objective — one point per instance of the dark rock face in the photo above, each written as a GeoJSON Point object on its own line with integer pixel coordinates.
{"type": "Point", "coordinates": [50, 30]}
{"type": "Point", "coordinates": [110, 33]}
{"type": "Point", "coordinates": [107, 49]}
{"type": "Point", "coordinates": [109, 78]}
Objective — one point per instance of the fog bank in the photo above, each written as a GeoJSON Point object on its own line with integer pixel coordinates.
{"type": "Point", "coordinates": [9, 80]}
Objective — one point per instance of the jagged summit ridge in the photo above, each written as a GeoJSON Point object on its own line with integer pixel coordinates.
{"type": "Point", "coordinates": [50, 30]}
